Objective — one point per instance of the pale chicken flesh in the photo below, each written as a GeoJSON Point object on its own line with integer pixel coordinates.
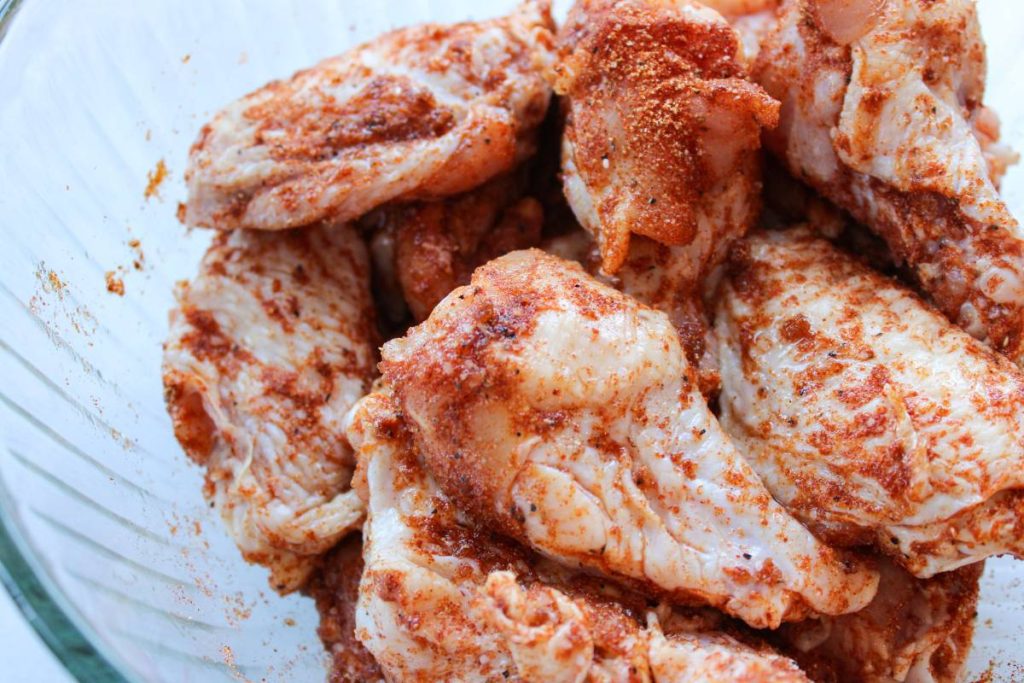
{"type": "Point", "coordinates": [662, 128]}
{"type": "Point", "coordinates": [564, 414]}
{"type": "Point", "coordinates": [915, 630]}
{"type": "Point", "coordinates": [419, 113]}
{"type": "Point", "coordinates": [444, 599]}
{"type": "Point", "coordinates": [865, 412]}
{"type": "Point", "coordinates": [269, 346]}
{"type": "Point", "coordinates": [882, 113]}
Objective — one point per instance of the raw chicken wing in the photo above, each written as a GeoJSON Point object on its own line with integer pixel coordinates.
{"type": "Point", "coordinates": [443, 599]}
{"type": "Point", "coordinates": [662, 128]}
{"type": "Point", "coordinates": [420, 113]}
{"type": "Point", "coordinates": [268, 348]}
{"type": "Point", "coordinates": [563, 413]}
{"type": "Point", "coordinates": [865, 412]}
{"type": "Point", "coordinates": [882, 113]}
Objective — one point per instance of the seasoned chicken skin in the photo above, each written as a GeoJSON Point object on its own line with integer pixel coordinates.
{"type": "Point", "coordinates": [444, 599]}
{"type": "Point", "coordinates": [914, 630]}
{"type": "Point", "coordinates": [435, 246]}
{"type": "Point", "coordinates": [563, 413]}
{"type": "Point", "coordinates": [865, 412]}
{"type": "Point", "coordinates": [269, 346]}
{"type": "Point", "coordinates": [419, 113]}
{"type": "Point", "coordinates": [662, 128]}
{"type": "Point", "coordinates": [882, 113]}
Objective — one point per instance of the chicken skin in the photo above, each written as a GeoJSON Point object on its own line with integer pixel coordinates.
{"type": "Point", "coordinates": [433, 247]}
{"type": "Point", "coordinates": [914, 630]}
{"type": "Point", "coordinates": [419, 113]}
{"type": "Point", "coordinates": [563, 414]}
{"type": "Point", "coordinates": [882, 114]}
{"type": "Point", "coordinates": [444, 599]}
{"type": "Point", "coordinates": [269, 347]}
{"type": "Point", "coordinates": [865, 412]}
{"type": "Point", "coordinates": [662, 128]}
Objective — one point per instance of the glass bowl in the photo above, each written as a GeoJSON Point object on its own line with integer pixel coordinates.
{"type": "Point", "coordinates": [105, 541]}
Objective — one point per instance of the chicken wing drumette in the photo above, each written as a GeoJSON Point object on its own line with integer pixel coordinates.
{"type": "Point", "coordinates": [564, 414]}
{"type": "Point", "coordinates": [269, 346]}
{"type": "Point", "coordinates": [419, 113]}
{"type": "Point", "coordinates": [865, 412]}
{"type": "Point", "coordinates": [661, 139]}
{"type": "Point", "coordinates": [882, 113]}
{"type": "Point", "coordinates": [443, 598]}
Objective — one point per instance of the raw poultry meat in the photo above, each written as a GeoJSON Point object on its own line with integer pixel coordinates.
{"type": "Point", "coordinates": [865, 412]}
{"type": "Point", "coordinates": [423, 112]}
{"type": "Point", "coordinates": [914, 630]}
{"type": "Point", "coordinates": [882, 113]}
{"type": "Point", "coordinates": [563, 413]}
{"type": "Point", "coordinates": [443, 598]}
{"type": "Point", "coordinates": [661, 141]}
{"type": "Point", "coordinates": [268, 347]}
{"type": "Point", "coordinates": [430, 248]}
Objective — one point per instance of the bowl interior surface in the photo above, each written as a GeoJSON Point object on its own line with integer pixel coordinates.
{"type": "Point", "coordinates": [105, 539]}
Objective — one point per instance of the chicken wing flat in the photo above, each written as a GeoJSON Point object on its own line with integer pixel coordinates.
{"type": "Point", "coordinates": [882, 114]}
{"type": "Point", "coordinates": [914, 630]}
{"type": "Point", "coordinates": [564, 414]}
{"type": "Point", "coordinates": [443, 598]}
{"type": "Point", "coordinates": [419, 113]}
{"type": "Point", "coordinates": [269, 346]}
{"type": "Point", "coordinates": [662, 128]}
{"type": "Point", "coordinates": [865, 412]}
{"type": "Point", "coordinates": [435, 246]}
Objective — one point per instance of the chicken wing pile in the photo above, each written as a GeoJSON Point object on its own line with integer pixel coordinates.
{"type": "Point", "coordinates": [636, 434]}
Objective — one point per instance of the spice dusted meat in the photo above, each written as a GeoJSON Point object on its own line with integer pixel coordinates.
{"type": "Point", "coordinates": [914, 630]}
{"type": "Point", "coordinates": [269, 346]}
{"type": "Point", "coordinates": [443, 598]}
{"type": "Point", "coordinates": [426, 566]}
{"type": "Point", "coordinates": [662, 128]}
{"type": "Point", "coordinates": [564, 414]}
{"type": "Point", "coordinates": [335, 588]}
{"type": "Point", "coordinates": [419, 113]}
{"type": "Point", "coordinates": [883, 114]}
{"type": "Point", "coordinates": [661, 139]}
{"type": "Point", "coordinates": [435, 246]}
{"type": "Point", "coordinates": [865, 412]}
